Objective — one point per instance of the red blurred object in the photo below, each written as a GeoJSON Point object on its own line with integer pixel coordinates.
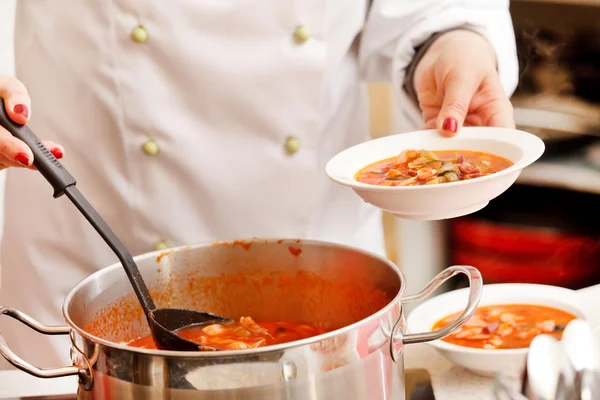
{"type": "Point", "coordinates": [526, 254]}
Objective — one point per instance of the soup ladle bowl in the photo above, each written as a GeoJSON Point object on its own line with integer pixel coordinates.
{"type": "Point", "coordinates": [164, 322]}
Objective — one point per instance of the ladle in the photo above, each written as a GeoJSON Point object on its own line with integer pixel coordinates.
{"type": "Point", "coordinates": [579, 345]}
{"type": "Point", "coordinates": [163, 322]}
{"type": "Point", "coordinates": [543, 379]}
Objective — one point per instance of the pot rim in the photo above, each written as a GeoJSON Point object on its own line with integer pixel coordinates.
{"type": "Point", "coordinates": [231, 353]}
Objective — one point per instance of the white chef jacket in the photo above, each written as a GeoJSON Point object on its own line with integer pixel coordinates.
{"type": "Point", "coordinates": [215, 123]}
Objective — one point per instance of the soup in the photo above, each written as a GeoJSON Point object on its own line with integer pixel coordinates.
{"type": "Point", "coordinates": [423, 167]}
{"type": "Point", "coordinates": [245, 334]}
{"type": "Point", "coordinates": [507, 326]}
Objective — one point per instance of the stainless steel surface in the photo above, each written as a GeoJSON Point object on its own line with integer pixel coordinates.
{"type": "Point", "coordinates": [549, 125]}
{"type": "Point", "coordinates": [475, 285]}
{"type": "Point", "coordinates": [23, 365]}
{"type": "Point", "coordinates": [589, 389]}
{"type": "Point", "coordinates": [544, 369]}
{"type": "Point", "coordinates": [578, 343]}
{"type": "Point", "coordinates": [565, 370]}
{"type": "Point", "coordinates": [356, 292]}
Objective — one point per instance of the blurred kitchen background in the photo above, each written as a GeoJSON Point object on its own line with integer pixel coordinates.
{"type": "Point", "coordinates": [545, 229]}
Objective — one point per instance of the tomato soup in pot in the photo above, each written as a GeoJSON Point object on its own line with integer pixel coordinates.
{"type": "Point", "coordinates": [311, 319]}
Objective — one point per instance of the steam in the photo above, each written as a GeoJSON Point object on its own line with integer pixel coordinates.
{"type": "Point", "coordinates": [541, 55]}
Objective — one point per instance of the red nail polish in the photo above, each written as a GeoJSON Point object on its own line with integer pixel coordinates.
{"type": "Point", "coordinates": [450, 124]}
{"type": "Point", "coordinates": [21, 109]}
{"type": "Point", "coordinates": [57, 153]}
{"type": "Point", "coordinates": [23, 159]}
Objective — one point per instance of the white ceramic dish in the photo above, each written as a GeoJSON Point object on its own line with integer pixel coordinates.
{"type": "Point", "coordinates": [482, 361]}
{"type": "Point", "coordinates": [447, 200]}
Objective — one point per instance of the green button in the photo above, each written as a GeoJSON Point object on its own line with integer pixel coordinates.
{"type": "Point", "coordinates": [162, 245]}
{"type": "Point", "coordinates": [292, 145]}
{"type": "Point", "coordinates": [139, 34]}
{"type": "Point", "coordinates": [150, 147]}
{"type": "Point", "coordinates": [301, 34]}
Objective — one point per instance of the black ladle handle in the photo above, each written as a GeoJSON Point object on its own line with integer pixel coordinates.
{"type": "Point", "coordinates": [46, 163]}
{"type": "Point", "coordinates": [64, 183]}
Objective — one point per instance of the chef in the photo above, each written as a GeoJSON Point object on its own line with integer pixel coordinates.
{"type": "Point", "coordinates": [195, 121]}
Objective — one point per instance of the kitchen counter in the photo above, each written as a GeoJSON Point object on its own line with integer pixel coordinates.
{"type": "Point", "coordinates": [449, 382]}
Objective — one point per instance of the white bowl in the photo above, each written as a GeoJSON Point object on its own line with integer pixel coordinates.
{"type": "Point", "coordinates": [446, 200]}
{"type": "Point", "coordinates": [483, 361]}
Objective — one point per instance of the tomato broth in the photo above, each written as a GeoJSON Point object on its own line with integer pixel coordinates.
{"type": "Point", "coordinates": [245, 334]}
{"type": "Point", "coordinates": [507, 326]}
{"type": "Point", "coordinates": [423, 167]}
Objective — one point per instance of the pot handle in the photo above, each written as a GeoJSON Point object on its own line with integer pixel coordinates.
{"type": "Point", "coordinates": [23, 365]}
{"type": "Point", "coordinates": [475, 290]}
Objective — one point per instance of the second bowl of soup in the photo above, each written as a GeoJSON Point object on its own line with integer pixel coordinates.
{"type": "Point", "coordinates": [509, 316]}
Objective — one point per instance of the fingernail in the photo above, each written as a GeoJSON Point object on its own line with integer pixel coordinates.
{"type": "Point", "coordinates": [23, 159]}
{"type": "Point", "coordinates": [57, 153]}
{"type": "Point", "coordinates": [450, 124]}
{"type": "Point", "coordinates": [21, 109]}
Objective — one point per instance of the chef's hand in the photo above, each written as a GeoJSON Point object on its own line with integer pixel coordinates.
{"type": "Point", "coordinates": [457, 84]}
{"type": "Point", "coordinates": [14, 152]}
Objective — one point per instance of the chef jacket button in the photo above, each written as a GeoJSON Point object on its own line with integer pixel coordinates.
{"type": "Point", "coordinates": [301, 34]}
{"type": "Point", "coordinates": [150, 147]}
{"type": "Point", "coordinates": [162, 245]}
{"type": "Point", "coordinates": [292, 145]}
{"type": "Point", "coordinates": [139, 34]}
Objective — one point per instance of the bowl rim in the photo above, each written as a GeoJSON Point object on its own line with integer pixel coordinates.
{"type": "Point", "coordinates": [529, 155]}
{"type": "Point", "coordinates": [454, 348]}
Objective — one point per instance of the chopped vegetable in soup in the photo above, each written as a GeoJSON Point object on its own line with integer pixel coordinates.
{"type": "Point", "coordinates": [507, 326]}
{"type": "Point", "coordinates": [245, 334]}
{"type": "Point", "coordinates": [423, 167]}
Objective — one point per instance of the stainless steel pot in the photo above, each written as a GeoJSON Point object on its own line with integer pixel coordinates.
{"type": "Point", "coordinates": [358, 294]}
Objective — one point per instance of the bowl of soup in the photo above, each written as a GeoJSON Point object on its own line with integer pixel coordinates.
{"type": "Point", "coordinates": [497, 337]}
{"type": "Point", "coordinates": [424, 176]}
